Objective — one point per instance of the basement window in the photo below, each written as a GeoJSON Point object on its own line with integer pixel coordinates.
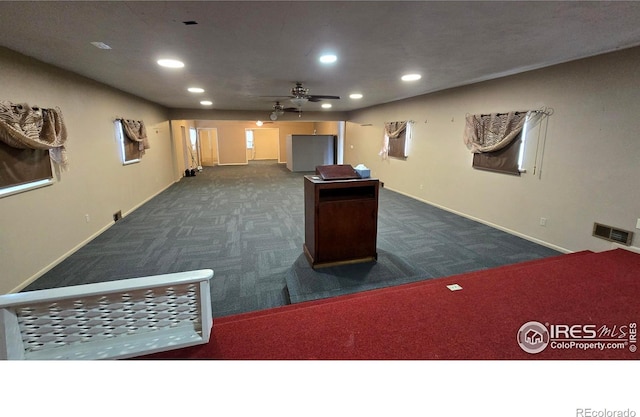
{"type": "Point", "coordinates": [23, 170]}
{"type": "Point", "coordinates": [249, 138]}
{"type": "Point", "coordinates": [523, 143]}
{"type": "Point", "coordinates": [507, 160]}
{"type": "Point", "coordinates": [129, 150]}
{"type": "Point", "coordinates": [498, 141]}
{"type": "Point", "coordinates": [397, 136]}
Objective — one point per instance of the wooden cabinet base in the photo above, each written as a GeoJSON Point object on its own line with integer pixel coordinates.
{"type": "Point", "coordinates": [341, 219]}
{"type": "Point", "coordinates": [315, 264]}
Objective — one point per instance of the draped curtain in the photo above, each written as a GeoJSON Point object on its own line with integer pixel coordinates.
{"type": "Point", "coordinates": [394, 140]}
{"type": "Point", "coordinates": [26, 127]}
{"type": "Point", "coordinates": [30, 138]}
{"type": "Point", "coordinates": [495, 141]}
{"type": "Point", "coordinates": [492, 132]}
{"type": "Point", "coordinates": [136, 132]}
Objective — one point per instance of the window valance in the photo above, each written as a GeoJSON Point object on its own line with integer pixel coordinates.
{"type": "Point", "coordinates": [136, 132]}
{"type": "Point", "coordinates": [497, 140]}
{"type": "Point", "coordinates": [394, 129]}
{"type": "Point", "coordinates": [30, 127]}
{"type": "Point", "coordinates": [492, 132]}
{"type": "Point", "coordinates": [396, 135]}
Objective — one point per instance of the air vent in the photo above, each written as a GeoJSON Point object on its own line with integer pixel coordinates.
{"type": "Point", "coordinates": [612, 234]}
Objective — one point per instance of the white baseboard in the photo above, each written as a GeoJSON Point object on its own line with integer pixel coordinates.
{"type": "Point", "coordinates": [137, 206]}
{"type": "Point", "coordinates": [633, 249]}
{"type": "Point", "coordinates": [60, 259]}
{"type": "Point", "coordinates": [495, 226]}
{"type": "Point", "coordinates": [80, 245]}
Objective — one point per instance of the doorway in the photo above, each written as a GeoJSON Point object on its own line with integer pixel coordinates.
{"type": "Point", "coordinates": [263, 144]}
{"type": "Point", "coordinates": [208, 141]}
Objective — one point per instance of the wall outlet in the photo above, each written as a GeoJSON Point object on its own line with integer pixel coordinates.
{"type": "Point", "coordinates": [87, 218]}
{"type": "Point", "coordinates": [638, 224]}
{"type": "Point", "coordinates": [543, 221]}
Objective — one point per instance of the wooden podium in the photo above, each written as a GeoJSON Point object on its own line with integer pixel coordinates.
{"type": "Point", "coordinates": [341, 220]}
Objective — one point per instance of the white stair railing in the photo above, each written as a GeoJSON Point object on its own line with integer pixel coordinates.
{"type": "Point", "coordinates": [108, 320]}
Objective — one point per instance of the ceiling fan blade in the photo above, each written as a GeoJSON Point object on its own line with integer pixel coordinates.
{"type": "Point", "coordinates": [315, 97]}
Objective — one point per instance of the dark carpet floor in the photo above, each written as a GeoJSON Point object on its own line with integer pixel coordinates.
{"type": "Point", "coordinates": [247, 224]}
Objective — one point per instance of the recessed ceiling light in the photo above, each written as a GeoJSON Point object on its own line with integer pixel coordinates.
{"type": "Point", "coordinates": [326, 106]}
{"type": "Point", "coordinates": [170, 63]}
{"type": "Point", "coordinates": [328, 59]}
{"type": "Point", "coordinates": [356, 96]}
{"type": "Point", "coordinates": [411, 77]}
{"type": "Point", "coordinates": [206, 102]}
{"type": "Point", "coordinates": [195, 90]}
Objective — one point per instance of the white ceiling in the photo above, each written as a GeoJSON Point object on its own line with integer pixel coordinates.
{"type": "Point", "coordinates": [240, 51]}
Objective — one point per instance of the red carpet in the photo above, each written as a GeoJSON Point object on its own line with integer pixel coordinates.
{"type": "Point", "coordinates": [425, 320]}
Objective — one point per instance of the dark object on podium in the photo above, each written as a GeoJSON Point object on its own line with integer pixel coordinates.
{"type": "Point", "coordinates": [341, 220]}
{"type": "Point", "coordinates": [337, 172]}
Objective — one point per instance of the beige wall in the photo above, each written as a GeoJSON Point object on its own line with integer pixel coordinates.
{"type": "Point", "coordinates": [232, 142]}
{"type": "Point", "coordinates": [326, 128]}
{"type": "Point", "coordinates": [266, 144]}
{"type": "Point", "coordinates": [590, 161]}
{"type": "Point", "coordinates": [41, 227]}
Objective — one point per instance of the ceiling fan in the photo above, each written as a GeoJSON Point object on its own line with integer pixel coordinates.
{"type": "Point", "coordinates": [279, 110]}
{"type": "Point", "coordinates": [300, 95]}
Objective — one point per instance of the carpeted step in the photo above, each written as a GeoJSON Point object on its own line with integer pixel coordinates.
{"type": "Point", "coordinates": [425, 320]}
{"type": "Point", "coordinates": [306, 284]}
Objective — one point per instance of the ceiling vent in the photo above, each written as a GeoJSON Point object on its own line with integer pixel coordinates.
{"type": "Point", "coordinates": [612, 234]}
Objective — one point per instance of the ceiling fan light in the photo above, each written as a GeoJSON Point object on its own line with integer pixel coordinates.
{"type": "Point", "coordinates": [298, 101]}
{"type": "Point", "coordinates": [259, 123]}
{"type": "Point", "coordinates": [326, 106]}
{"type": "Point", "coordinates": [273, 116]}
{"type": "Point", "coordinates": [356, 96]}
